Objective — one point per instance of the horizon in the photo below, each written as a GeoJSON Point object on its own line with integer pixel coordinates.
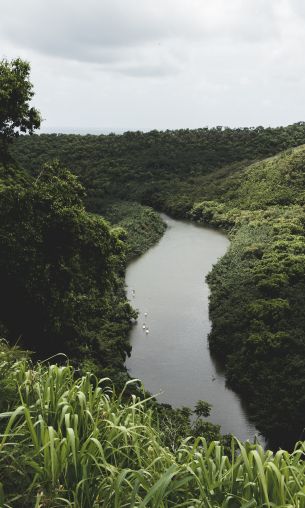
{"type": "Point", "coordinates": [79, 130]}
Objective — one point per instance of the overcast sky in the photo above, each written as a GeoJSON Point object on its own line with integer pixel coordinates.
{"type": "Point", "coordinates": [160, 64]}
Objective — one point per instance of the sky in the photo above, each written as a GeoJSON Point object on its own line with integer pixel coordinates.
{"type": "Point", "coordinates": [160, 64]}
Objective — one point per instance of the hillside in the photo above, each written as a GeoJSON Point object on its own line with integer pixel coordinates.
{"type": "Point", "coordinates": [258, 288]}
{"type": "Point", "coordinates": [142, 226]}
{"type": "Point", "coordinates": [61, 271]}
{"type": "Point", "coordinates": [167, 170]}
{"type": "Point", "coordinates": [278, 180]}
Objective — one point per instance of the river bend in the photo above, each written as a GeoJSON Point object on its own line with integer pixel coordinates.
{"type": "Point", "coordinates": [168, 283]}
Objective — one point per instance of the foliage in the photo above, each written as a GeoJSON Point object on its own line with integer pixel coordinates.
{"type": "Point", "coordinates": [142, 226]}
{"type": "Point", "coordinates": [167, 170]}
{"type": "Point", "coordinates": [257, 289]}
{"type": "Point", "coordinates": [176, 424]}
{"type": "Point", "coordinates": [16, 92]}
{"type": "Point", "coordinates": [202, 408]}
{"type": "Point", "coordinates": [221, 177]}
{"type": "Point", "coordinates": [73, 442]}
{"type": "Point", "coordinates": [61, 270]}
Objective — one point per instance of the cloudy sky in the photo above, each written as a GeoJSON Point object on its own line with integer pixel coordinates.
{"type": "Point", "coordinates": [158, 64]}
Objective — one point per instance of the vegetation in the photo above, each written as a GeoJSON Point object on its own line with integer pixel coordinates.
{"type": "Point", "coordinates": [143, 226]}
{"type": "Point", "coordinates": [257, 288]}
{"type": "Point", "coordinates": [167, 170]}
{"type": "Point", "coordinates": [61, 271]}
{"type": "Point", "coordinates": [16, 91]}
{"type": "Point", "coordinates": [69, 441]}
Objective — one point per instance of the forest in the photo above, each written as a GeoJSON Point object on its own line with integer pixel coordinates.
{"type": "Point", "coordinates": [168, 170]}
{"type": "Point", "coordinates": [75, 430]}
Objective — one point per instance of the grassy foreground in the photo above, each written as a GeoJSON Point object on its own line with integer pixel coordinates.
{"type": "Point", "coordinates": [69, 441]}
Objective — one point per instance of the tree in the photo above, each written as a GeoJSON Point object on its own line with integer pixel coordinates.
{"type": "Point", "coordinates": [59, 270]}
{"type": "Point", "coordinates": [16, 92]}
{"type": "Point", "coordinates": [202, 408]}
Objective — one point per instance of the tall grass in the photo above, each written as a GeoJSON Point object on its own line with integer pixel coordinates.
{"type": "Point", "coordinates": [73, 442]}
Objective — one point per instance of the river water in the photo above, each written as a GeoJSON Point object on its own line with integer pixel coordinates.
{"type": "Point", "coordinates": [173, 359]}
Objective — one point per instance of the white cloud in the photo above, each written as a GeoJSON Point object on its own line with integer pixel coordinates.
{"type": "Point", "coordinates": [105, 31]}
{"type": "Point", "coordinates": [161, 63]}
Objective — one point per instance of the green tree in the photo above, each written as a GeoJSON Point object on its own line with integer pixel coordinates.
{"type": "Point", "coordinates": [202, 408]}
{"type": "Point", "coordinates": [59, 270]}
{"type": "Point", "coordinates": [16, 92]}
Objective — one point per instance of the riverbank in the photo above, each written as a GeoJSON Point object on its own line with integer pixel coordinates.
{"type": "Point", "coordinates": [143, 226]}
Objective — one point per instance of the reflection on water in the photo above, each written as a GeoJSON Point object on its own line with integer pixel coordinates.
{"type": "Point", "coordinates": [169, 343]}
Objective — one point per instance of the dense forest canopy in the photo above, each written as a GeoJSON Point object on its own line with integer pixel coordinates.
{"type": "Point", "coordinates": [154, 167]}
{"type": "Point", "coordinates": [257, 290]}
{"type": "Point", "coordinates": [61, 270]}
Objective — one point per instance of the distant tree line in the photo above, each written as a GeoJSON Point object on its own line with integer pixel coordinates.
{"type": "Point", "coordinates": [168, 170]}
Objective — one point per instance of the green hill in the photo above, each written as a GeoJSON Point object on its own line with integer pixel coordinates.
{"type": "Point", "coordinates": [279, 180]}
{"type": "Point", "coordinates": [168, 170]}
{"type": "Point", "coordinates": [258, 288]}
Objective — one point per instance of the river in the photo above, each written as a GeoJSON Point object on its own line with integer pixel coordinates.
{"type": "Point", "coordinates": [173, 359]}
